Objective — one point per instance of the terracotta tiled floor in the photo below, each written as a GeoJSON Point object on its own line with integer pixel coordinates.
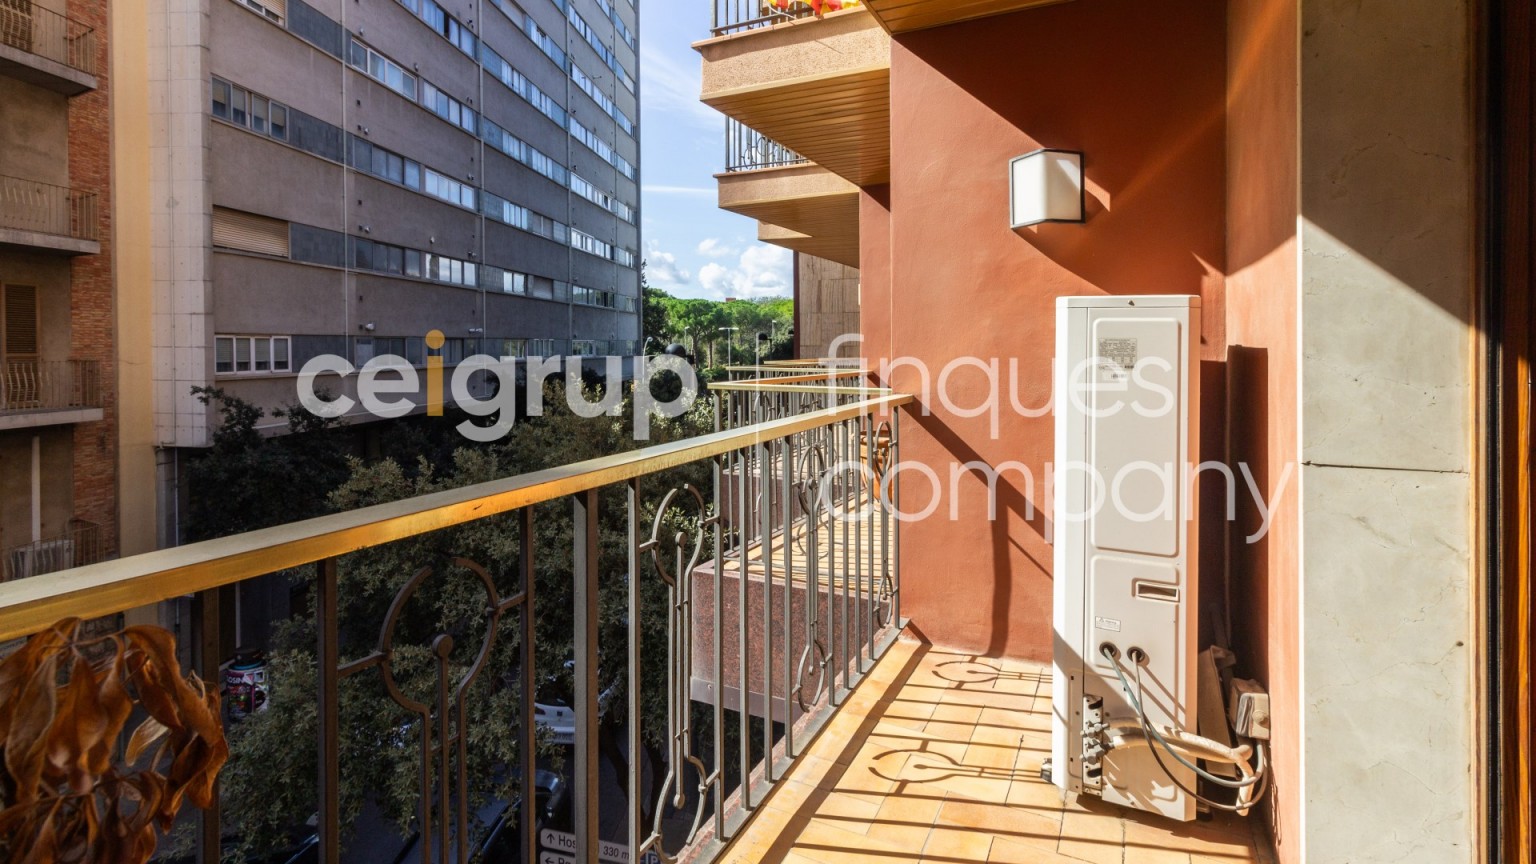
{"type": "Point", "coordinates": [936, 758]}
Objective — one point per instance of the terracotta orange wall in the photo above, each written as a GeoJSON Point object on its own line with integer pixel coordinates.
{"type": "Point", "coordinates": [1262, 302]}
{"type": "Point", "coordinates": [1139, 87]}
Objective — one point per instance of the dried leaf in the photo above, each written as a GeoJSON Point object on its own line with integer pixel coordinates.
{"type": "Point", "coordinates": [26, 743]}
{"type": "Point", "coordinates": [63, 800]}
{"type": "Point", "coordinates": [79, 731]}
{"type": "Point", "coordinates": [150, 731]}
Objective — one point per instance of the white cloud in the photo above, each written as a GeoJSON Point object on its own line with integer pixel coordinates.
{"type": "Point", "coordinates": [663, 271]}
{"type": "Point", "coordinates": [711, 247]}
{"type": "Point", "coordinates": [761, 271]}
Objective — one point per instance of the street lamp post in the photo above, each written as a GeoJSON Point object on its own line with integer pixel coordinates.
{"type": "Point", "coordinates": [730, 333]}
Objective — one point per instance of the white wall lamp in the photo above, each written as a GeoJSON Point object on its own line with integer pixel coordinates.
{"type": "Point", "coordinates": [1046, 186]}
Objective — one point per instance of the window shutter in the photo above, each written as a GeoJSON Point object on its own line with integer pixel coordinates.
{"type": "Point", "coordinates": [20, 321]}
{"type": "Point", "coordinates": [249, 233]}
{"type": "Point", "coordinates": [278, 7]}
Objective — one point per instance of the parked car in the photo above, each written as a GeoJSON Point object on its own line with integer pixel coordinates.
{"type": "Point", "coordinates": [501, 843]}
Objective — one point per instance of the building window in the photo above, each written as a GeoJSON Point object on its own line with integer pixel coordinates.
{"type": "Point", "coordinates": [275, 10]}
{"type": "Point", "coordinates": [252, 355]}
{"type": "Point", "coordinates": [251, 110]}
{"type": "Point", "coordinates": [248, 232]}
{"type": "Point", "coordinates": [382, 69]}
{"type": "Point", "coordinates": [18, 321]}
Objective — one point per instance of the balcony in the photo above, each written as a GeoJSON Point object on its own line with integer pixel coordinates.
{"type": "Point", "coordinates": [776, 587]}
{"type": "Point", "coordinates": [36, 393]}
{"type": "Point", "coordinates": [798, 204]}
{"type": "Point", "coordinates": [42, 47]}
{"type": "Point", "coordinates": [82, 544]}
{"type": "Point", "coordinates": [41, 216]}
{"type": "Point", "coordinates": [820, 86]}
{"type": "Point", "coordinates": [904, 16]}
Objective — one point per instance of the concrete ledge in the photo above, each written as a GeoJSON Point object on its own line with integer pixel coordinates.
{"type": "Point", "coordinates": [37, 240]}
{"type": "Point", "coordinates": [802, 207]}
{"type": "Point", "coordinates": [12, 420]}
{"type": "Point", "coordinates": [45, 73]}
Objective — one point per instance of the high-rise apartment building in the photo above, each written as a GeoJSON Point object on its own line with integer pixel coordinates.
{"type": "Point", "coordinates": [58, 455]}
{"type": "Point", "coordinates": [343, 177]}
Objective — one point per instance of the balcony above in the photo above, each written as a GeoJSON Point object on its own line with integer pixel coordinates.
{"type": "Point", "coordinates": [843, 248]}
{"type": "Point", "coordinates": [82, 544]}
{"type": "Point", "coordinates": [903, 16]}
{"type": "Point", "coordinates": [801, 207]}
{"type": "Point", "coordinates": [36, 393]}
{"type": "Point", "coordinates": [818, 86]}
{"type": "Point", "coordinates": [42, 47]}
{"type": "Point", "coordinates": [41, 216]}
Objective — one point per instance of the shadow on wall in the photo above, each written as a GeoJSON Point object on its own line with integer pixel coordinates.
{"type": "Point", "coordinates": [1153, 150]}
{"type": "Point", "coordinates": [1013, 507]}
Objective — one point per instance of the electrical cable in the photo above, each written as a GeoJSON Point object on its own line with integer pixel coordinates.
{"type": "Point", "coordinates": [1260, 776]}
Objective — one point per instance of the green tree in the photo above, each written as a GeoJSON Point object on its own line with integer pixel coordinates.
{"type": "Point", "coordinates": [655, 315]}
{"type": "Point", "coordinates": [246, 481]}
{"type": "Point", "coordinates": [694, 319]}
{"type": "Point", "coordinates": [269, 781]}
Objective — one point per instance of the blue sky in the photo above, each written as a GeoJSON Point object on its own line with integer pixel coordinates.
{"type": "Point", "coordinates": [693, 248]}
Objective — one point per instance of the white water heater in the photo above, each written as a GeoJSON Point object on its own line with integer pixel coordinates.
{"type": "Point", "coordinates": [1127, 439]}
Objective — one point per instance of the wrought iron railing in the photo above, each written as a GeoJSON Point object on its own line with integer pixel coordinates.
{"type": "Point", "coordinates": [31, 205]}
{"type": "Point", "coordinates": [746, 149]}
{"type": "Point", "coordinates": [35, 30]}
{"type": "Point", "coordinates": [49, 385]}
{"type": "Point", "coordinates": [734, 16]}
{"type": "Point", "coordinates": [817, 563]}
{"type": "Point", "coordinates": [82, 544]}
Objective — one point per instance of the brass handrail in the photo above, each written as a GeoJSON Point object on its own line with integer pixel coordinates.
{"type": "Point", "coordinates": [770, 386]}
{"type": "Point", "coordinates": [789, 379]}
{"type": "Point", "coordinates": [800, 367]}
{"type": "Point", "coordinates": [29, 605]}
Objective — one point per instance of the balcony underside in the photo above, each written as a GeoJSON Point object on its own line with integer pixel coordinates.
{"type": "Point", "coordinates": [52, 244]}
{"type": "Point", "coordinates": [33, 419]}
{"type": "Point", "coordinates": [43, 72]}
{"type": "Point", "coordinates": [803, 207]}
{"type": "Point", "coordinates": [820, 87]}
{"type": "Point", "coordinates": [902, 16]}
{"type": "Point", "coordinates": [936, 757]}
{"type": "Point", "coordinates": [842, 249]}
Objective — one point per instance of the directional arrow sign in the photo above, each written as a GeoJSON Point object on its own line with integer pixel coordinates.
{"type": "Point", "coordinates": [560, 848]}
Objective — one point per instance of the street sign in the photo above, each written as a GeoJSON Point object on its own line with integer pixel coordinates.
{"type": "Point", "coordinates": [560, 848]}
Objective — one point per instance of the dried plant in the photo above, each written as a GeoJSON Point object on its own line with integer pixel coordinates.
{"type": "Point", "coordinates": [71, 789]}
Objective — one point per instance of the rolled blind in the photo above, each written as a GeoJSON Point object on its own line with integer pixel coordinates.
{"type": "Point", "coordinates": [280, 7]}
{"type": "Point", "coordinates": [20, 321]}
{"type": "Point", "coordinates": [249, 232]}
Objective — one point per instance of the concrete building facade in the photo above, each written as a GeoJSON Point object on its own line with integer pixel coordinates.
{"type": "Point", "coordinates": [58, 441]}
{"type": "Point", "coordinates": [341, 179]}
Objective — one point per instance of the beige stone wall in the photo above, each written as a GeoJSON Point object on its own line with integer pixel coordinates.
{"type": "Point", "coordinates": [1389, 584]}
{"type": "Point", "coordinates": [181, 219]}
{"type": "Point", "coordinates": [826, 306]}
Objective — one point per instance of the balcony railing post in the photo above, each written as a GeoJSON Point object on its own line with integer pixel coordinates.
{"type": "Point", "coordinates": [328, 653]}
{"type": "Point", "coordinates": [765, 543]}
{"type": "Point", "coordinates": [205, 620]}
{"type": "Point", "coordinates": [527, 729]}
{"type": "Point", "coordinates": [585, 557]}
{"type": "Point", "coordinates": [717, 477]}
{"type": "Point", "coordinates": [636, 806]}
